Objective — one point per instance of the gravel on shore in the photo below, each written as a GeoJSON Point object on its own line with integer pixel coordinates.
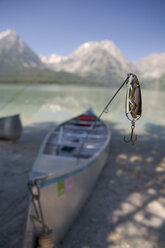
{"type": "Point", "coordinates": [126, 208]}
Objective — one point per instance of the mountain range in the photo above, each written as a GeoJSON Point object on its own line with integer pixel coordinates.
{"type": "Point", "coordinates": [18, 63]}
{"type": "Point", "coordinates": [98, 61]}
{"type": "Point", "coordinates": [92, 62]}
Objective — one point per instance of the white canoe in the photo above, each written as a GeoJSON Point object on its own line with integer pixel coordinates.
{"type": "Point", "coordinates": [64, 173]}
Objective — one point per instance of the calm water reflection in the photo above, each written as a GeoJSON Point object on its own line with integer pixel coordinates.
{"type": "Point", "coordinates": [44, 103]}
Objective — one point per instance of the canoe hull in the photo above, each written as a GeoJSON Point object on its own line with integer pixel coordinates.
{"type": "Point", "coordinates": [61, 208]}
{"type": "Point", "coordinates": [65, 182]}
{"type": "Point", "coordinates": [10, 127]}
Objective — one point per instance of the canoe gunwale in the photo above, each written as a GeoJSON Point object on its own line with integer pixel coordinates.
{"type": "Point", "coordinates": [44, 177]}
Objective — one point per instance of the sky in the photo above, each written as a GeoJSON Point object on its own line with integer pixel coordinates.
{"type": "Point", "coordinates": [137, 27]}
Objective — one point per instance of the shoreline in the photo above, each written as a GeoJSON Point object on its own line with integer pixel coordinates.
{"type": "Point", "coordinates": [126, 208]}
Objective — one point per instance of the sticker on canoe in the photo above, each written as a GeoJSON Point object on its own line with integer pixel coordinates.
{"type": "Point", "coordinates": [61, 187]}
{"type": "Point", "coordinates": [68, 184]}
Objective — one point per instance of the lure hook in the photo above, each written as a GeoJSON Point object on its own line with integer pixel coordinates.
{"type": "Point", "coordinates": [132, 132]}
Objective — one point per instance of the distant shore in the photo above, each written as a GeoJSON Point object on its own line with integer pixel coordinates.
{"type": "Point", "coordinates": [28, 82]}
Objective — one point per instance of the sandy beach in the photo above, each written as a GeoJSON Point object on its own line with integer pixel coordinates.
{"type": "Point", "coordinates": [126, 208]}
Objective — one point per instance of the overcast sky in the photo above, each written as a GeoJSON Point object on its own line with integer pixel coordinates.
{"type": "Point", "coordinates": [137, 27]}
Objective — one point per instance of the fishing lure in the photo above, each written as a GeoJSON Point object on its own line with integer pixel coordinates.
{"type": "Point", "coordinates": [133, 103]}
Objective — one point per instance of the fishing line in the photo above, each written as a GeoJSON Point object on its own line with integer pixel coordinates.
{"type": "Point", "coordinates": [105, 110]}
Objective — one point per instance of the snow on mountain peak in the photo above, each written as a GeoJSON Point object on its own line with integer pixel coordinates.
{"type": "Point", "coordinates": [110, 45]}
{"type": "Point", "coordinates": [151, 66]}
{"type": "Point", "coordinates": [16, 52]}
{"type": "Point", "coordinates": [52, 59]}
{"type": "Point", "coordinates": [8, 32]}
{"type": "Point", "coordinates": [96, 58]}
{"type": "Point", "coordinates": [86, 45]}
{"type": "Point", "coordinates": [94, 46]}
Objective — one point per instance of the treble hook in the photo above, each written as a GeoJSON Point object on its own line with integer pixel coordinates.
{"type": "Point", "coordinates": [132, 131]}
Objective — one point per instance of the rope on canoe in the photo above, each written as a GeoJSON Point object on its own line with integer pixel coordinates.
{"type": "Point", "coordinates": [44, 239]}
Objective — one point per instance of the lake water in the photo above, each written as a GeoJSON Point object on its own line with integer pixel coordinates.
{"type": "Point", "coordinates": [46, 103]}
{"type": "Point", "coordinates": [39, 104]}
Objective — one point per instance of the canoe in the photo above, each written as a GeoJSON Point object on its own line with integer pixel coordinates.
{"type": "Point", "coordinates": [10, 127]}
{"type": "Point", "coordinates": [69, 162]}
